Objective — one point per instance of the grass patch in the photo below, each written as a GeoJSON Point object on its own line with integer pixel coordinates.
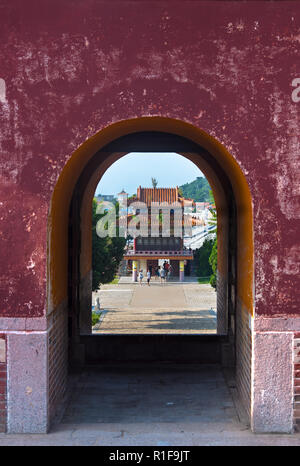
{"type": "Point", "coordinates": [203, 280]}
{"type": "Point", "coordinates": [95, 318]}
{"type": "Point", "coordinates": [115, 281]}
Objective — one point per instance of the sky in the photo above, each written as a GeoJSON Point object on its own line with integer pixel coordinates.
{"type": "Point", "coordinates": [134, 169]}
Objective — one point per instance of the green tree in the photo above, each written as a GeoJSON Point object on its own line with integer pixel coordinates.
{"type": "Point", "coordinates": [213, 220]}
{"type": "Point", "coordinates": [213, 260]}
{"type": "Point", "coordinates": [154, 182]}
{"type": "Point", "coordinates": [107, 253]}
{"type": "Point", "coordinates": [201, 255]}
{"type": "Point", "coordinates": [198, 190]}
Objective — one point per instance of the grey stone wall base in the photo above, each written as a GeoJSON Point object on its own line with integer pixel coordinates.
{"type": "Point", "coordinates": [27, 383]}
{"type": "Point", "coordinates": [272, 390]}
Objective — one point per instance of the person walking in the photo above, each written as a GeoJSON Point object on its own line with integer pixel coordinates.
{"type": "Point", "coordinates": [148, 277]}
{"type": "Point", "coordinates": [160, 271]}
{"type": "Point", "coordinates": [167, 266]}
{"type": "Point", "coordinates": [141, 276]}
{"type": "Point", "coordinates": [163, 276]}
{"type": "Point", "coordinates": [157, 274]}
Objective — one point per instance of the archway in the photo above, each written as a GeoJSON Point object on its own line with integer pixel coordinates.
{"type": "Point", "coordinates": [69, 240]}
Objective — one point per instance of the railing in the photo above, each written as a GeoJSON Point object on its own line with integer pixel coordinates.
{"type": "Point", "coordinates": [182, 252]}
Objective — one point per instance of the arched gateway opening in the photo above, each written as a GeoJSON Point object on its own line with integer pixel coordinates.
{"type": "Point", "coordinates": [70, 266]}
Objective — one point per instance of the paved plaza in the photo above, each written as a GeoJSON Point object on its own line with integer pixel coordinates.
{"type": "Point", "coordinates": [168, 308]}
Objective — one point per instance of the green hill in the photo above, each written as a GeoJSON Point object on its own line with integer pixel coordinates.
{"type": "Point", "coordinates": [197, 190]}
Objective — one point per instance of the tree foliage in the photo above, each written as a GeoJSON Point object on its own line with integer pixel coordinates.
{"type": "Point", "coordinates": [206, 256]}
{"type": "Point", "coordinates": [154, 182]}
{"type": "Point", "coordinates": [107, 253]}
{"type": "Point", "coordinates": [201, 255]}
{"type": "Point", "coordinates": [198, 190]}
{"type": "Point", "coordinates": [213, 258]}
{"type": "Point", "coordinates": [213, 220]}
{"type": "Point", "coordinates": [213, 263]}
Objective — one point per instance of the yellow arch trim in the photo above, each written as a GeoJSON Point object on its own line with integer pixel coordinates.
{"type": "Point", "coordinates": [57, 268]}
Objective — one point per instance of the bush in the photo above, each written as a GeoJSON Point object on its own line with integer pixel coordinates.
{"type": "Point", "coordinates": [213, 263]}
{"type": "Point", "coordinates": [95, 318]}
{"type": "Point", "coordinates": [203, 280]}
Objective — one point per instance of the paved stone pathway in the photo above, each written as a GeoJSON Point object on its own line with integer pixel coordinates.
{"type": "Point", "coordinates": [159, 308]}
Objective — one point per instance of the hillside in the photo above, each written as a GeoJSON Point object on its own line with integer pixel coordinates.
{"type": "Point", "coordinates": [197, 190]}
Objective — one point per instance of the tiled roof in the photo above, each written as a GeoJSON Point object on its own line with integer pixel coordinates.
{"type": "Point", "coordinates": [149, 195]}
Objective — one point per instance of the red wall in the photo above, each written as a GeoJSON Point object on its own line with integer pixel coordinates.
{"type": "Point", "coordinates": [73, 67]}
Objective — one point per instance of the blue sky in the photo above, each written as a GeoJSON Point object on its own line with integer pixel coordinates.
{"type": "Point", "coordinates": [134, 169]}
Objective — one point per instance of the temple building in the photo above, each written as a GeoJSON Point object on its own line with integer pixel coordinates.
{"type": "Point", "coordinates": [166, 244]}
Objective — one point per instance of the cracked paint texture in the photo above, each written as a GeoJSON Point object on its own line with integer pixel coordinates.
{"type": "Point", "coordinates": [72, 68]}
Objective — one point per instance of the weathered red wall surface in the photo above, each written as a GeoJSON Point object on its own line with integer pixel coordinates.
{"type": "Point", "coordinates": [73, 67]}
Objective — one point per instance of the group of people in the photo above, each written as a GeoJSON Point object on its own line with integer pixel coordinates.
{"type": "Point", "coordinates": [161, 273]}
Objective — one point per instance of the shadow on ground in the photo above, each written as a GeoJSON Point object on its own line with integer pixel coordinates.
{"type": "Point", "coordinates": [182, 321]}
{"type": "Point", "coordinates": [144, 394]}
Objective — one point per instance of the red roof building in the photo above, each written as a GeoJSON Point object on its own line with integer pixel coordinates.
{"type": "Point", "coordinates": [148, 250]}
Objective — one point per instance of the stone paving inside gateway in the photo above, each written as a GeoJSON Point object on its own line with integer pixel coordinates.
{"type": "Point", "coordinates": [173, 307]}
{"type": "Point", "coordinates": [156, 405]}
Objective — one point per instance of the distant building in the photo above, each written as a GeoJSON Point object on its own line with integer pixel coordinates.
{"type": "Point", "coordinates": [201, 206]}
{"type": "Point", "coordinates": [123, 203]}
{"type": "Point", "coordinates": [149, 251]}
{"type": "Point", "coordinates": [105, 197]}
